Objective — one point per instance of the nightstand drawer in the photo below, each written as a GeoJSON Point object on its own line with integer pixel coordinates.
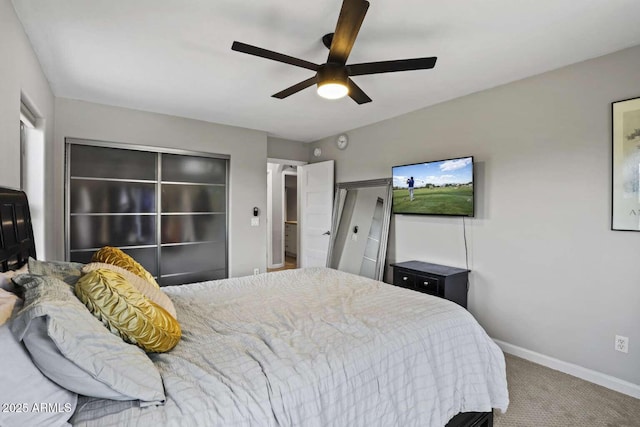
{"type": "Point", "coordinates": [404, 279]}
{"type": "Point", "coordinates": [417, 282]}
{"type": "Point", "coordinates": [427, 284]}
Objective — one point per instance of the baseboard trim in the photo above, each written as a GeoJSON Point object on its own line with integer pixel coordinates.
{"type": "Point", "coordinates": [280, 265]}
{"type": "Point", "coordinates": [590, 375]}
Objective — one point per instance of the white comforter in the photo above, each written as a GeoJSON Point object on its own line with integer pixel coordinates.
{"type": "Point", "coordinates": [316, 347]}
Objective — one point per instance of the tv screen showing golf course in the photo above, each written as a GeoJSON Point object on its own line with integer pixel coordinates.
{"type": "Point", "coordinates": [443, 187]}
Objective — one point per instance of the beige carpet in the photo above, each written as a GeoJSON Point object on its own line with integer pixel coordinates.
{"type": "Point", "coordinates": [542, 397]}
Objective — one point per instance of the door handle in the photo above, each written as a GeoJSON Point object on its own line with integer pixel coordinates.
{"type": "Point", "coordinates": [326, 233]}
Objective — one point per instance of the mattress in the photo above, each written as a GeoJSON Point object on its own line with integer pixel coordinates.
{"type": "Point", "coordinates": [315, 347]}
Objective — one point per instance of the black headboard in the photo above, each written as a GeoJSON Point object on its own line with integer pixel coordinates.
{"type": "Point", "coordinates": [16, 232]}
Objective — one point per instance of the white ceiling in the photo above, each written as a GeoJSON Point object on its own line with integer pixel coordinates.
{"type": "Point", "coordinates": [175, 57]}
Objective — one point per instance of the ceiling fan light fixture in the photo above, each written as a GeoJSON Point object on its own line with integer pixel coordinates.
{"type": "Point", "coordinates": [332, 81]}
{"type": "Point", "coordinates": [332, 90]}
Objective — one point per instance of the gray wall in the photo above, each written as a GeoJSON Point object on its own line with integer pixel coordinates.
{"type": "Point", "coordinates": [20, 72]}
{"type": "Point", "coordinates": [278, 148]}
{"type": "Point", "coordinates": [248, 165]}
{"type": "Point", "coordinates": [548, 273]}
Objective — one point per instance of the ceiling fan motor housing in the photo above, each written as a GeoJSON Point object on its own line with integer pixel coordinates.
{"type": "Point", "coordinates": [332, 73]}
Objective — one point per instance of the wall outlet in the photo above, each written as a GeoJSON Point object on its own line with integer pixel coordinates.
{"type": "Point", "coordinates": [622, 344]}
{"type": "Point", "coordinates": [256, 271]}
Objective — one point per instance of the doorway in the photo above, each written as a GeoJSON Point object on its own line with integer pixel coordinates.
{"type": "Point", "coordinates": [282, 214]}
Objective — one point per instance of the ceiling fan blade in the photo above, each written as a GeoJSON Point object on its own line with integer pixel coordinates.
{"type": "Point", "coordinates": [295, 88]}
{"type": "Point", "coordinates": [349, 22]}
{"type": "Point", "coordinates": [357, 94]}
{"type": "Point", "coordinates": [391, 66]}
{"type": "Point", "coordinates": [275, 56]}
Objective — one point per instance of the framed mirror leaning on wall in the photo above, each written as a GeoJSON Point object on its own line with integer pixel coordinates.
{"type": "Point", "coordinates": [360, 227]}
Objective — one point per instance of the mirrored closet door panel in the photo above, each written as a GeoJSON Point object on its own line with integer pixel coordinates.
{"type": "Point", "coordinates": [168, 210]}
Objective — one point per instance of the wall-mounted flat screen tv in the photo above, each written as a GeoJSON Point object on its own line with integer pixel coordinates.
{"type": "Point", "coordinates": [443, 187]}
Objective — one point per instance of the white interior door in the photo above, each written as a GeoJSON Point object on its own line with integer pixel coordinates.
{"type": "Point", "coordinates": [315, 182]}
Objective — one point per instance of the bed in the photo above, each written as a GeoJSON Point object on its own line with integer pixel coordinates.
{"type": "Point", "coordinates": [307, 347]}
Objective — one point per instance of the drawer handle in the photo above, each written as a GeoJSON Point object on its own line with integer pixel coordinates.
{"type": "Point", "coordinates": [405, 278]}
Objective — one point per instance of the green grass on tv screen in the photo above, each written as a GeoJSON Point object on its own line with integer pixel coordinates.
{"type": "Point", "coordinates": [451, 200]}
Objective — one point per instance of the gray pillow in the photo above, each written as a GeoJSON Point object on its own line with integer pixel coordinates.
{"type": "Point", "coordinates": [24, 389]}
{"type": "Point", "coordinates": [74, 349]}
{"type": "Point", "coordinates": [68, 272]}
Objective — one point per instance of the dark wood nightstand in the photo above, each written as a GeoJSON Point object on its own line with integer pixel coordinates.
{"type": "Point", "coordinates": [472, 419]}
{"type": "Point", "coordinates": [434, 279]}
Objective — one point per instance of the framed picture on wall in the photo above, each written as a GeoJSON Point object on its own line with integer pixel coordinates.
{"type": "Point", "coordinates": [625, 209]}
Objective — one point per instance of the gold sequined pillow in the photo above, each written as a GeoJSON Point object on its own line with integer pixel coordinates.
{"type": "Point", "coordinates": [127, 312]}
{"type": "Point", "coordinates": [148, 290]}
{"type": "Point", "coordinates": [114, 256]}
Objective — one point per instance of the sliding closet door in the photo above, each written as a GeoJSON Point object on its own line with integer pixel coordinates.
{"type": "Point", "coordinates": [112, 200]}
{"type": "Point", "coordinates": [167, 210]}
{"type": "Point", "coordinates": [194, 220]}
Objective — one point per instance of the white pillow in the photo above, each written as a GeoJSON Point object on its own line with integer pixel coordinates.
{"type": "Point", "coordinates": [6, 276]}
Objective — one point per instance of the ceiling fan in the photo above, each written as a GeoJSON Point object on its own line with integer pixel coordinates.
{"type": "Point", "coordinates": [334, 77]}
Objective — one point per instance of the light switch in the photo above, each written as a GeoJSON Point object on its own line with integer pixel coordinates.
{"type": "Point", "coordinates": [255, 221]}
